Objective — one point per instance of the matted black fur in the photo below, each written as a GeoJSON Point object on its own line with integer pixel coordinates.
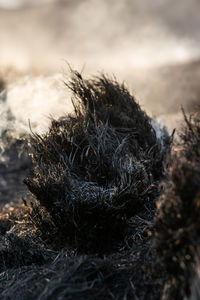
{"type": "Point", "coordinates": [177, 224]}
{"type": "Point", "coordinates": [97, 170]}
{"type": "Point", "coordinates": [100, 226]}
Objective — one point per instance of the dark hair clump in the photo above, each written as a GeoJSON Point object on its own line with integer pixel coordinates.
{"type": "Point", "coordinates": [177, 227]}
{"type": "Point", "coordinates": [96, 172]}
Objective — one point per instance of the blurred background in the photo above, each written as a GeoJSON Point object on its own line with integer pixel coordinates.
{"type": "Point", "coordinates": [153, 45]}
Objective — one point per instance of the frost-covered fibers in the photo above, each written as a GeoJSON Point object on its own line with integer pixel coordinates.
{"type": "Point", "coordinates": [160, 130]}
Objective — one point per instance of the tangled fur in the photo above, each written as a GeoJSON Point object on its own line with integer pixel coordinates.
{"type": "Point", "coordinates": [97, 171]}
{"type": "Point", "coordinates": [177, 223]}
{"type": "Point", "coordinates": [113, 213]}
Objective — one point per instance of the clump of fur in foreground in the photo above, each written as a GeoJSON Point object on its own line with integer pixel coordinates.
{"type": "Point", "coordinates": [177, 224]}
{"type": "Point", "coordinates": [96, 172]}
{"type": "Point", "coordinates": [96, 176]}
